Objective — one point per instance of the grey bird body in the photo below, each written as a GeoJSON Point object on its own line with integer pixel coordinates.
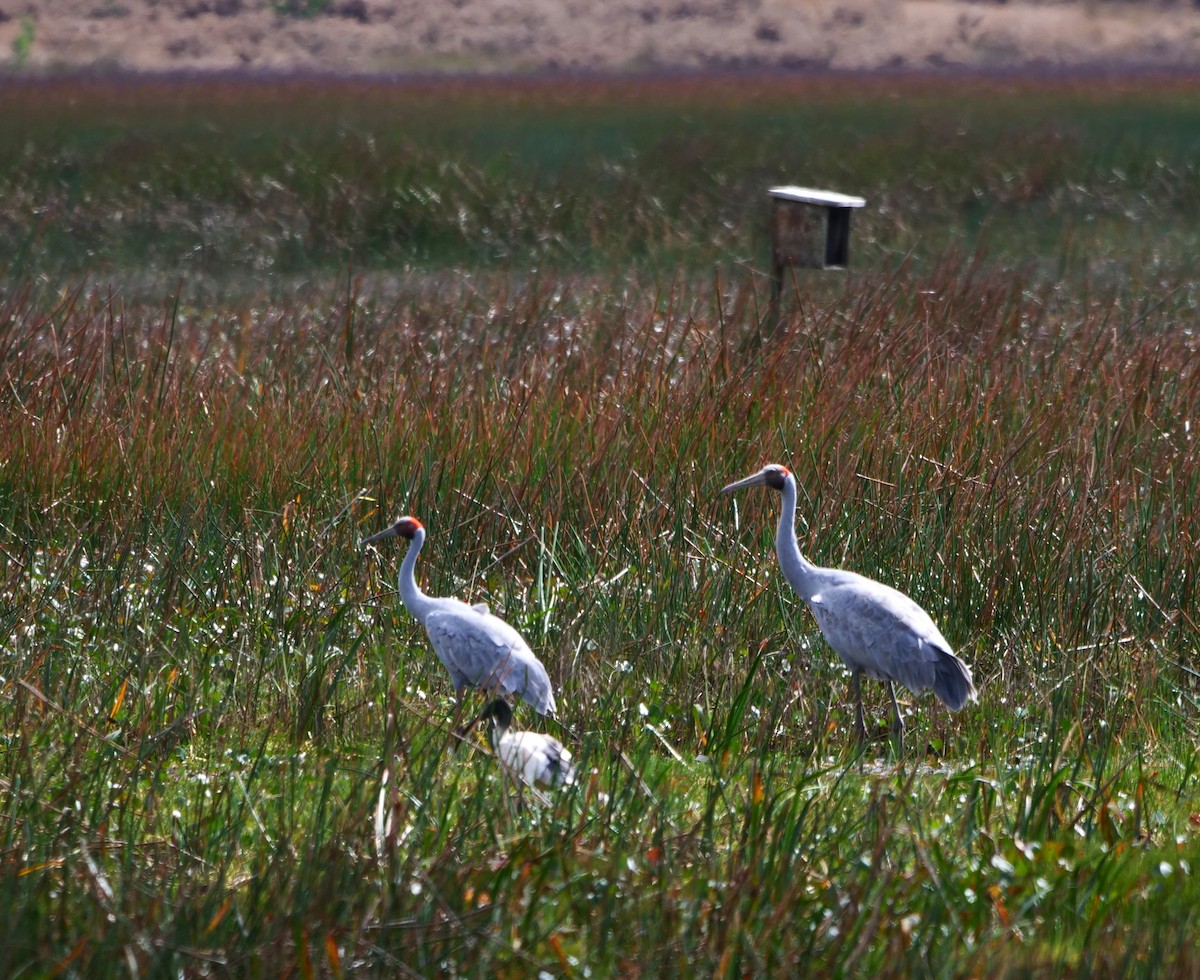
{"type": "Point", "coordinates": [875, 630]}
{"type": "Point", "coordinates": [476, 648]}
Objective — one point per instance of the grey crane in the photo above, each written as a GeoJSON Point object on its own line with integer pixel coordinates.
{"type": "Point", "coordinates": [875, 629]}
{"type": "Point", "coordinates": [534, 757]}
{"type": "Point", "coordinates": [477, 648]}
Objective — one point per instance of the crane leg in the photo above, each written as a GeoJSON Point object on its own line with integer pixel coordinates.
{"type": "Point", "coordinates": [897, 721]}
{"type": "Point", "coordinates": [464, 730]}
{"type": "Point", "coordinates": [860, 724]}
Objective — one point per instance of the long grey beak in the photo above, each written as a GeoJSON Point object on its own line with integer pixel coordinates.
{"type": "Point", "coordinates": [757, 480]}
{"type": "Point", "coordinates": [387, 532]}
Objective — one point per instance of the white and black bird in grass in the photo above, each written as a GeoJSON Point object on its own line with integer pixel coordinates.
{"type": "Point", "coordinates": [478, 649]}
{"type": "Point", "coordinates": [875, 629]}
{"type": "Point", "coordinates": [534, 757]}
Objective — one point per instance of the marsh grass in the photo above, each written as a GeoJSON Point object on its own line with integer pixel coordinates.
{"type": "Point", "coordinates": [228, 749]}
{"type": "Point", "coordinates": [153, 184]}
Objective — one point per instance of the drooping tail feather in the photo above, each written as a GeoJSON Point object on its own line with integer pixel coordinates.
{"type": "Point", "coordinates": [953, 682]}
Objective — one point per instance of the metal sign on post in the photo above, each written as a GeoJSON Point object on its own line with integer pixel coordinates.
{"type": "Point", "coordinates": [810, 229]}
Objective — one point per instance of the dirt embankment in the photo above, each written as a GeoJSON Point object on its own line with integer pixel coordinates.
{"type": "Point", "coordinates": [372, 36]}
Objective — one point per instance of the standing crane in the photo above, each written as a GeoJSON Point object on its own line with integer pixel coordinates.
{"type": "Point", "coordinates": [478, 649]}
{"type": "Point", "coordinates": [875, 629]}
{"type": "Point", "coordinates": [534, 757]}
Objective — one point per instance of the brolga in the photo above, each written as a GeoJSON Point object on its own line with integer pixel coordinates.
{"type": "Point", "coordinates": [478, 649]}
{"type": "Point", "coordinates": [534, 757]}
{"type": "Point", "coordinates": [875, 629]}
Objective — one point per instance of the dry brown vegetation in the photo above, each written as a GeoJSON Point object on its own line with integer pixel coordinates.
{"type": "Point", "coordinates": [407, 36]}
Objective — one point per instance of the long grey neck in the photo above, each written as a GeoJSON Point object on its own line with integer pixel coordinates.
{"type": "Point", "coordinates": [798, 570]}
{"type": "Point", "coordinates": [415, 601]}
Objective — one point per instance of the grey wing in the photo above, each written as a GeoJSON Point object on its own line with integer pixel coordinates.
{"type": "Point", "coordinates": [445, 641]}
{"type": "Point", "coordinates": [925, 663]}
{"type": "Point", "coordinates": [518, 670]}
{"type": "Point", "coordinates": [881, 632]}
{"type": "Point", "coordinates": [488, 653]}
{"type": "Point", "coordinates": [923, 655]}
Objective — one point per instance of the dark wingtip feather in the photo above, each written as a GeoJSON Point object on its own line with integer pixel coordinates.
{"type": "Point", "coordinates": [953, 683]}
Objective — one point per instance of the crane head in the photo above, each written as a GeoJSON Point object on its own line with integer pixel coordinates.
{"type": "Point", "coordinates": [405, 527]}
{"type": "Point", "coordinates": [772, 475]}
